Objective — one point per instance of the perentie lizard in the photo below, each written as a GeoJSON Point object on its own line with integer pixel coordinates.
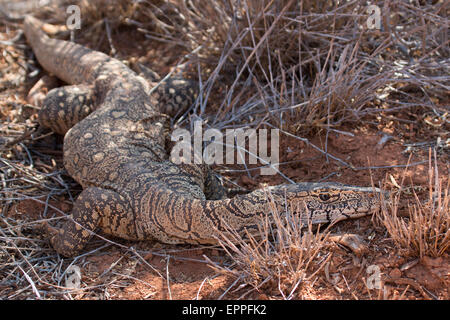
{"type": "Point", "coordinates": [115, 147]}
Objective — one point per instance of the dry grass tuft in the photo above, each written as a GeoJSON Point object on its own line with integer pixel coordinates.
{"type": "Point", "coordinates": [282, 259]}
{"type": "Point", "coordinates": [308, 65]}
{"type": "Point", "coordinates": [301, 66]}
{"type": "Point", "coordinates": [426, 232]}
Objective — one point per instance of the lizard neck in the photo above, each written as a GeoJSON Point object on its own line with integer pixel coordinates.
{"type": "Point", "coordinates": [203, 220]}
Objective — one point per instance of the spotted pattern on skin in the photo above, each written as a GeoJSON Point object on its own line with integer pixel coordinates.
{"type": "Point", "coordinates": [116, 133]}
{"type": "Point", "coordinates": [69, 104]}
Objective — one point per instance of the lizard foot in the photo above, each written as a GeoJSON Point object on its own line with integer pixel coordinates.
{"type": "Point", "coordinates": [352, 241]}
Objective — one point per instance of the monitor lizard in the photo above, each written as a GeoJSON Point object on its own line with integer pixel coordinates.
{"type": "Point", "coordinates": [115, 147]}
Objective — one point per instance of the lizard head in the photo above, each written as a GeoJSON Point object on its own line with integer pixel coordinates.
{"type": "Point", "coordinates": [328, 201]}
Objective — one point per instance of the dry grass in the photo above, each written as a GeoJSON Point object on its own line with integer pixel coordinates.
{"type": "Point", "coordinates": [282, 259]}
{"type": "Point", "coordinates": [301, 66]}
{"type": "Point", "coordinates": [312, 65]}
{"type": "Point", "coordinates": [426, 231]}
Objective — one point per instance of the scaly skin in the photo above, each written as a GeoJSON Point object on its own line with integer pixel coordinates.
{"type": "Point", "coordinates": [115, 147]}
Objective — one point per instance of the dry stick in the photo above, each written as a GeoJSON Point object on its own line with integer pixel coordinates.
{"type": "Point", "coordinates": [133, 278]}
{"type": "Point", "coordinates": [145, 261]}
{"type": "Point", "coordinates": [242, 296]}
{"type": "Point", "coordinates": [329, 100]}
{"type": "Point", "coordinates": [27, 134]}
{"type": "Point", "coordinates": [255, 288]}
{"type": "Point", "coordinates": [228, 289]}
{"type": "Point", "coordinates": [65, 290]}
{"type": "Point", "coordinates": [367, 288]}
{"type": "Point", "coordinates": [168, 279]}
{"type": "Point", "coordinates": [348, 287]}
{"type": "Point", "coordinates": [31, 282]}
{"type": "Point", "coordinates": [108, 35]}
{"type": "Point", "coordinates": [409, 282]}
{"type": "Point", "coordinates": [402, 296]}
{"type": "Point", "coordinates": [225, 169]}
{"type": "Point", "coordinates": [217, 267]}
{"type": "Point", "coordinates": [200, 288]}
{"type": "Point", "coordinates": [311, 144]}
{"type": "Point", "coordinates": [154, 19]}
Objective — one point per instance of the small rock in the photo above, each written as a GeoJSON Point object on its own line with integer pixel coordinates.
{"type": "Point", "coordinates": [148, 256]}
{"type": "Point", "coordinates": [395, 273]}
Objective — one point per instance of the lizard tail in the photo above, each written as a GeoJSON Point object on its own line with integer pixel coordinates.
{"type": "Point", "coordinates": [72, 63]}
{"type": "Point", "coordinates": [33, 31]}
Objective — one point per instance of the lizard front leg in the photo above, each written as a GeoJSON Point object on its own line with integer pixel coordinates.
{"type": "Point", "coordinates": [65, 106]}
{"type": "Point", "coordinates": [174, 95]}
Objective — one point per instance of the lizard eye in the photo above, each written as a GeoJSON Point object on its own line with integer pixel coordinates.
{"type": "Point", "coordinates": [324, 196]}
